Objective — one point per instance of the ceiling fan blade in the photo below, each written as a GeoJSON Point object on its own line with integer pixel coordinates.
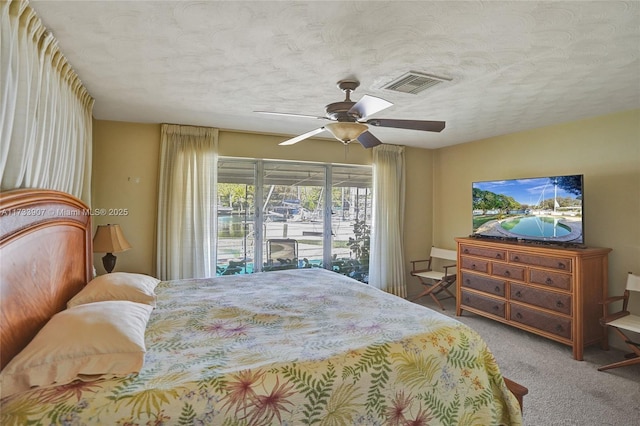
{"type": "Point", "coordinates": [291, 115]}
{"type": "Point", "coordinates": [368, 140]}
{"type": "Point", "coordinates": [369, 105]}
{"type": "Point", "coordinates": [302, 136]}
{"type": "Point", "coordinates": [427, 126]}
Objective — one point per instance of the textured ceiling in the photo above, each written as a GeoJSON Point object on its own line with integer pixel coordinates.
{"type": "Point", "coordinates": [513, 65]}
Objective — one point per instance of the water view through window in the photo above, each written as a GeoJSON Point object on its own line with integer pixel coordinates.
{"type": "Point", "coordinates": [293, 215]}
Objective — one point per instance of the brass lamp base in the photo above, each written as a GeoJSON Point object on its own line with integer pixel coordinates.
{"type": "Point", "coordinates": [109, 262]}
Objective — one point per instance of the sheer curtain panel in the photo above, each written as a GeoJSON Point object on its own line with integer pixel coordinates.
{"type": "Point", "coordinates": [45, 111]}
{"type": "Point", "coordinates": [186, 202]}
{"type": "Point", "coordinates": [386, 266]}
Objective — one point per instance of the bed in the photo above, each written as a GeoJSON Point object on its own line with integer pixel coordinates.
{"type": "Point", "coordinates": [287, 347]}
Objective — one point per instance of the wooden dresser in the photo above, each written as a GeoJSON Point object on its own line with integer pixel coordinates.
{"type": "Point", "coordinates": [548, 290]}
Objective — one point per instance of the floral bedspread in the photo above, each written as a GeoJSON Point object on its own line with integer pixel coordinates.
{"type": "Point", "coordinates": [296, 347]}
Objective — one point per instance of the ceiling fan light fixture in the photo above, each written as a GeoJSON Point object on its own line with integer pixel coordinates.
{"type": "Point", "coordinates": [346, 132]}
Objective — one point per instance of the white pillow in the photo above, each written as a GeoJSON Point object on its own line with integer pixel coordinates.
{"type": "Point", "coordinates": [100, 340]}
{"type": "Point", "coordinates": [118, 286]}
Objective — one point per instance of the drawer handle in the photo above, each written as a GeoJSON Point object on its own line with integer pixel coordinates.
{"type": "Point", "coordinates": [498, 256]}
{"type": "Point", "coordinates": [466, 299]}
{"type": "Point", "coordinates": [549, 281]}
{"type": "Point", "coordinates": [519, 315]}
{"type": "Point", "coordinates": [473, 266]}
{"type": "Point", "coordinates": [518, 293]}
{"type": "Point", "coordinates": [507, 273]}
{"type": "Point", "coordinates": [467, 281]}
{"type": "Point", "coordinates": [465, 251]}
{"type": "Point", "coordinates": [516, 258]}
{"type": "Point", "coordinates": [562, 265]}
{"type": "Point", "coordinates": [559, 327]}
{"type": "Point", "coordinates": [498, 289]}
{"type": "Point", "coordinates": [559, 304]}
{"type": "Point", "coordinates": [496, 308]}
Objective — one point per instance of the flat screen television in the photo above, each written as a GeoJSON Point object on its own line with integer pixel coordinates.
{"type": "Point", "coordinates": [541, 210]}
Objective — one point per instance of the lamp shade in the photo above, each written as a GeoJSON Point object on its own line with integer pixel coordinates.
{"type": "Point", "coordinates": [109, 239]}
{"type": "Point", "coordinates": [346, 132]}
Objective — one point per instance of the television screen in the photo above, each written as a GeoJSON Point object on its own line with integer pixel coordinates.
{"type": "Point", "coordinates": [544, 209]}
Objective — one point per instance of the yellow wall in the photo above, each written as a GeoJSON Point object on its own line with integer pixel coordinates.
{"type": "Point", "coordinates": [238, 144]}
{"type": "Point", "coordinates": [418, 214]}
{"type": "Point", "coordinates": [605, 149]}
{"type": "Point", "coordinates": [125, 176]}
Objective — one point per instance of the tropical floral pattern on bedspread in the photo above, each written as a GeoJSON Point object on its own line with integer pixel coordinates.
{"type": "Point", "coordinates": [346, 354]}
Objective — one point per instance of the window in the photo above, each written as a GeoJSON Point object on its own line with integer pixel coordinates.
{"type": "Point", "coordinates": [235, 201]}
{"type": "Point", "coordinates": [264, 205]}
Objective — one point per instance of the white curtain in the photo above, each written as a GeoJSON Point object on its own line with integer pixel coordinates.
{"type": "Point", "coordinates": [45, 111]}
{"type": "Point", "coordinates": [186, 202]}
{"type": "Point", "coordinates": [386, 266]}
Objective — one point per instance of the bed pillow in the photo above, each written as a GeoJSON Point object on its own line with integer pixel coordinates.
{"type": "Point", "coordinates": [118, 286]}
{"type": "Point", "coordinates": [87, 342]}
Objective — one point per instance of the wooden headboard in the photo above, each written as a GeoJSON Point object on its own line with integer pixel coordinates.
{"type": "Point", "coordinates": [45, 259]}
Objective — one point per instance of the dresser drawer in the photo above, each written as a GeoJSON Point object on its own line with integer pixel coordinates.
{"type": "Point", "coordinates": [485, 304]}
{"type": "Point", "coordinates": [475, 264]}
{"type": "Point", "coordinates": [561, 263]}
{"type": "Point", "coordinates": [484, 252]}
{"type": "Point", "coordinates": [551, 279]}
{"type": "Point", "coordinates": [541, 320]}
{"type": "Point", "coordinates": [545, 299]}
{"type": "Point", "coordinates": [482, 283]}
{"type": "Point", "coordinates": [508, 271]}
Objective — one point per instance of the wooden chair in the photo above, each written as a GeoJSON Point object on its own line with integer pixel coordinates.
{"type": "Point", "coordinates": [623, 320]}
{"type": "Point", "coordinates": [435, 281]}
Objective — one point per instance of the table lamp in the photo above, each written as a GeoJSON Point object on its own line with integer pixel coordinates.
{"type": "Point", "coordinates": [109, 239]}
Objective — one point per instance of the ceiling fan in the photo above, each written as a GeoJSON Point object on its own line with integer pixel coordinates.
{"type": "Point", "coordinates": [350, 119]}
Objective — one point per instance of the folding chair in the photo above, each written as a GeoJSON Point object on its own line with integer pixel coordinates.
{"type": "Point", "coordinates": [282, 253]}
{"type": "Point", "coordinates": [624, 320]}
{"type": "Point", "coordinates": [435, 281]}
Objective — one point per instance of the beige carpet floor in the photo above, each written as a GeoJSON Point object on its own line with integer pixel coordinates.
{"type": "Point", "coordinates": [562, 391]}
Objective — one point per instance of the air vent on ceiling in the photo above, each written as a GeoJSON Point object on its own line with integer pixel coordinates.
{"type": "Point", "coordinates": [414, 82]}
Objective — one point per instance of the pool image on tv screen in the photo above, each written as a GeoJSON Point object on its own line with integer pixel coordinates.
{"type": "Point", "coordinates": [545, 209]}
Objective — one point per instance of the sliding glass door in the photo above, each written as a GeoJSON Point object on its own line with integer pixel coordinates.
{"type": "Point", "coordinates": [351, 220]}
{"type": "Point", "coordinates": [292, 215]}
{"type": "Point", "coordinates": [293, 208]}
{"type": "Point", "coordinates": [236, 216]}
